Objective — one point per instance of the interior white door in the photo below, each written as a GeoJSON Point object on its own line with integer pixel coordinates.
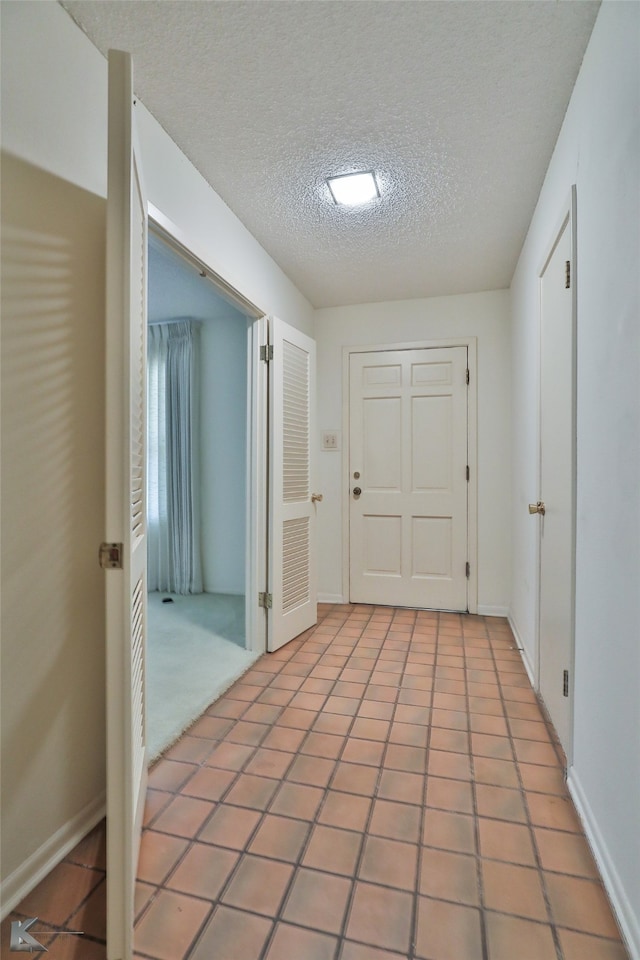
{"type": "Point", "coordinates": [292, 561]}
{"type": "Point", "coordinates": [408, 478]}
{"type": "Point", "coordinates": [126, 591]}
{"type": "Point", "coordinates": [557, 445]}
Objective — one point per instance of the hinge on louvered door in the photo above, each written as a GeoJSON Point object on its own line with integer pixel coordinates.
{"type": "Point", "coordinates": [468, 473]}
{"type": "Point", "coordinates": [111, 556]}
{"type": "Point", "coordinates": [266, 352]}
{"type": "Point", "coordinates": [468, 570]}
{"type": "Point", "coordinates": [567, 275]}
{"type": "Point", "coordinates": [565, 683]}
{"type": "Point", "coordinates": [467, 376]}
{"type": "Point", "coordinates": [265, 600]}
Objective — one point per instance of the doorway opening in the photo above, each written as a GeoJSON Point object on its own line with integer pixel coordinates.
{"type": "Point", "coordinates": [198, 428]}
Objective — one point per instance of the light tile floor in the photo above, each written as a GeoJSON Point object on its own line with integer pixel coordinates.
{"type": "Point", "coordinates": [383, 787]}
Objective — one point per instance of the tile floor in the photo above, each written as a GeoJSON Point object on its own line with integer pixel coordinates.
{"type": "Point", "coordinates": [384, 787]}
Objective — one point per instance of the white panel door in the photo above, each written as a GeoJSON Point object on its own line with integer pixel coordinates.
{"type": "Point", "coordinates": [126, 590]}
{"type": "Point", "coordinates": [557, 444]}
{"type": "Point", "coordinates": [292, 513]}
{"type": "Point", "coordinates": [408, 478]}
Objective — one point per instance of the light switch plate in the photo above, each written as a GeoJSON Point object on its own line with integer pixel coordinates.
{"type": "Point", "coordinates": [330, 440]}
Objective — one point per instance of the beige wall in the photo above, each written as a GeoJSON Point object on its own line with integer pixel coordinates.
{"type": "Point", "coordinates": [52, 507]}
{"type": "Point", "coordinates": [482, 315]}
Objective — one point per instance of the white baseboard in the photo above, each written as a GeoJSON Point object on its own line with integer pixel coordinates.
{"type": "Point", "coordinates": [486, 610]}
{"type": "Point", "coordinates": [524, 653]}
{"type": "Point", "coordinates": [627, 918]}
{"type": "Point", "coordinates": [42, 861]}
{"type": "Point", "coordinates": [331, 598]}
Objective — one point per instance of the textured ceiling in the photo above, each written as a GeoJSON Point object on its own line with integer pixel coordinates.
{"type": "Point", "coordinates": [455, 105]}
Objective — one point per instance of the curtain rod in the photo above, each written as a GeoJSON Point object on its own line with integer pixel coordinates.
{"type": "Point", "coordinates": [152, 323]}
{"type": "Point", "coordinates": [224, 289]}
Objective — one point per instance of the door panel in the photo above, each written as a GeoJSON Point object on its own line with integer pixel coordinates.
{"type": "Point", "coordinates": [382, 425]}
{"type": "Point", "coordinates": [382, 546]}
{"type": "Point", "coordinates": [292, 515]}
{"type": "Point", "coordinates": [431, 443]}
{"type": "Point", "coordinates": [125, 508]}
{"type": "Point", "coordinates": [408, 444]}
{"type": "Point", "coordinates": [431, 540]}
{"type": "Point", "coordinates": [557, 444]}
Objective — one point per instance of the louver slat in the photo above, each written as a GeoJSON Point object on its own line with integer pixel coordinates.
{"type": "Point", "coordinates": [138, 362]}
{"type": "Point", "coordinates": [295, 563]}
{"type": "Point", "coordinates": [137, 682]}
{"type": "Point", "coordinates": [295, 423]}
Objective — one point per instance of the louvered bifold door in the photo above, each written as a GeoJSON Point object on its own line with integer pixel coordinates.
{"type": "Point", "coordinates": [292, 515]}
{"type": "Point", "coordinates": [126, 590]}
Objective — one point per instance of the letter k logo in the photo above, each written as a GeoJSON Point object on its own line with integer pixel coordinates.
{"type": "Point", "coordinates": [22, 941]}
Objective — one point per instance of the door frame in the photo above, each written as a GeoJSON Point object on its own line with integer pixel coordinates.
{"type": "Point", "coordinates": [471, 343]}
{"type": "Point", "coordinates": [568, 213]}
{"type": "Point", "coordinates": [257, 426]}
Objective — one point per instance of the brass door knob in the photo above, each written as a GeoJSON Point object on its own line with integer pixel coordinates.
{"type": "Point", "coordinates": [316, 498]}
{"type": "Point", "coordinates": [537, 508]}
{"type": "Point", "coordinates": [357, 491]}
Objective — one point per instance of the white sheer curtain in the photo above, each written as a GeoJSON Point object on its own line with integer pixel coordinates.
{"type": "Point", "coordinates": [173, 515]}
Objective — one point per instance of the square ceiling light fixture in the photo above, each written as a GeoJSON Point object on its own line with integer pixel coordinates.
{"type": "Point", "coordinates": [353, 189]}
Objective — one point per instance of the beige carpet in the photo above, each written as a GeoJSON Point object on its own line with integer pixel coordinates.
{"type": "Point", "coordinates": [195, 651]}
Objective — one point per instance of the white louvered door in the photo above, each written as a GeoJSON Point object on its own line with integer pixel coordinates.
{"type": "Point", "coordinates": [126, 591]}
{"type": "Point", "coordinates": [292, 515]}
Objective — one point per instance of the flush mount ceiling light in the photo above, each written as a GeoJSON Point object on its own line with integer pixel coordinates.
{"type": "Point", "coordinates": [352, 189]}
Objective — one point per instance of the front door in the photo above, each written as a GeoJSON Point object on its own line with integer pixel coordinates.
{"type": "Point", "coordinates": [557, 446]}
{"type": "Point", "coordinates": [408, 477]}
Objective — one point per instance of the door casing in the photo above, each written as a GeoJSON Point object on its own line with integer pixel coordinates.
{"type": "Point", "coordinates": [256, 526]}
{"type": "Point", "coordinates": [472, 428]}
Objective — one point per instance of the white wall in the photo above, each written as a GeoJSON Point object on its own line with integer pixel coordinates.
{"type": "Point", "coordinates": [599, 150]}
{"type": "Point", "coordinates": [483, 315]}
{"type": "Point", "coordinates": [54, 124]}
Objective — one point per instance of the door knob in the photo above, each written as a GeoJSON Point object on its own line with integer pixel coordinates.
{"type": "Point", "coordinates": [537, 508]}
{"type": "Point", "coordinates": [316, 498]}
{"type": "Point", "coordinates": [357, 491]}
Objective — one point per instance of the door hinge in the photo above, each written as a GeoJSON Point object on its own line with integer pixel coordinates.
{"type": "Point", "coordinates": [266, 352]}
{"type": "Point", "coordinates": [467, 376]}
{"type": "Point", "coordinates": [565, 683]}
{"type": "Point", "coordinates": [468, 473]}
{"type": "Point", "coordinates": [265, 600]}
{"type": "Point", "coordinates": [468, 570]}
{"type": "Point", "coordinates": [111, 556]}
{"type": "Point", "coordinates": [567, 275]}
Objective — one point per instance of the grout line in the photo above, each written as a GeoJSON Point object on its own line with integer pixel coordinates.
{"type": "Point", "coordinates": [529, 824]}
{"type": "Point", "coordinates": [423, 805]}
{"type": "Point", "coordinates": [484, 933]}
